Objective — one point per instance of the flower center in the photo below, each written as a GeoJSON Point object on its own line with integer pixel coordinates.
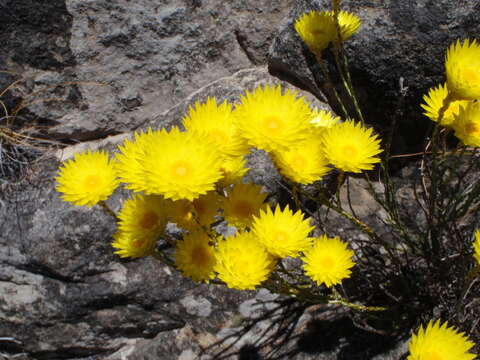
{"type": "Point", "coordinates": [299, 161]}
{"type": "Point", "coordinates": [199, 206]}
{"type": "Point", "coordinates": [92, 181]}
{"type": "Point", "coordinates": [471, 128]}
{"type": "Point", "coordinates": [137, 243]}
{"type": "Point", "coordinates": [471, 74]}
{"type": "Point", "coordinates": [243, 209]}
{"type": "Point", "coordinates": [349, 151]}
{"type": "Point", "coordinates": [200, 256]}
{"type": "Point", "coordinates": [433, 355]}
{"type": "Point", "coordinates": [149, 220]}
{"type": "Point", "coordinates": [181, 169]}
{"type": "Point", "coordinates": [272, 123]}
{"type": "Point", "coordinates": [327, 263]}
{"type": "Point", "coordinates": [281, 236]}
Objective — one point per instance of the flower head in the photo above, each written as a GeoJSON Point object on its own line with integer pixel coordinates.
{"type": "Point", "coordinates": [128, 245]}
{"type": "Point", "coordinates": [233, 170]}
{"type": "Point", "coordinates": [143, 216]}
{"type": "Point", "coordinates": [86, 179]}
{"type": "Point", "coordinates": [242, 261]}
{"type": "Point", "coordinates": [206, 207]}
{"type": "Point", "coordinates": [316, 29]}
{"type": "Point", "coordinates": [434, 102]}
{"type": "Point", "coordinates": [476, 246]}
{"type": "Point", "coordinates": [323, 119]}
{"type": "Point", "coordinates": [243, 201]}
{"type": "Point", "coordinates": [283, 233]}
{"type": "Point", "coordinates": [303, 163]}
{"type": "Point", "coordinates": [272, 120]}
{"type": "Point", "coordinates": [351, 147]}
{"type": "Point", "coordinates": [216, 124]}
{"type": "Point", "coordinates": [462, 64]}
{"type": "Point", "coordinates": [440, 342]}
{"type": "Point", "coordinates": [195, 257]}
{"type": "Point", "coordinates": [328, 261]}
{"type": "Point", "coordinates": [349, 23]}
{"type": "Point", "coordinates": [467, 124]}
{"type": "Point", "coordinates": [129, 160]}
{"type": "Point", "coordinates": [180, 165]}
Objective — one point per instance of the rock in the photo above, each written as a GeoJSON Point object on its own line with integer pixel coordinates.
{"type": "Point", "coordinates": [397, 40]}
{"type": "Point", "coordinates": [95, 68]}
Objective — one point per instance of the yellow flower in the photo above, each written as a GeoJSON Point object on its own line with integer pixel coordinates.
{"type": "Point", "coordinates": [323, 119]}
{"type": "Point", "coordinates": [129, 160]}
{"type": "Point", "coordinates": [328, 261]}
{"type": "Point", "coordinates": [270, 120]}
{"type": "Point", "coordinates": [128, 245]}
{"type": "Point", "coordinates": [182, 213]}
{"type": "Point", "coordinates": [434, 101]}
{"type": "Point", "coordinates": [467, 124]}
{"type": "Point", "coordinates": [143, 216]}
{"type": "Point", "coordinates": [440, 342]}
{"type": "Point", "coordinates": [242, 261]}
{"type": "Point", "coordinates": [216, 123]}
{"type": "Point", "coordinates": [349, 24]}
{"type": "Point", "coordinates": [283, 233]}
{"type": "Point", "coordinates": [476, 246]}
{"type": "Point", "coordinates": [243, 201]}
{"type": "Point", "coordinates": [462, 64]}
{"type": "Point", "coordinates": [206, 207]}
{"type": "Point", "coordinates": [303, 163]}
{"type": "Point", "coordinates": [195, 257]}
{"type": "Point", "coordinates": [233, 170]}
{"type": "Point", "coordinates": [86, 179]}
{"type": "Point", "coordinates": [316, 29]}
{"type": "Point", "coordinates": [351, 147]}
{"type": "Point", "coordinates": [180, 165]}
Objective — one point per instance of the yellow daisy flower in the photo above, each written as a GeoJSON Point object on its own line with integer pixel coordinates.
{"type": "Point", "coordinates": [182, 213]}
{"type": "Point", "coordinates": [242, 261]}
{"type": "Point", "coordinates": [87, 179]}
{"type": "Point", "coordinates": [351, 147]}
{"type": "Point", "coordinates": [467, 124]}
{"type": "Point", "coordinates": [243, 201]}
{"type": "Point", "coordinates": [434, 102]}
{"type": "Point", "coordinates": [462, 64]}
{"type": "Point", "coordinates": [323, 119]}
{"type": "Point", "coordinates": [316, 29]}
{"type": "Point", "coordinates": [476, 246]}
{"type": "Point", "coordinates": [440, 342]}
{"type": "Point", "coordinates": [128, 245]}
{"type": "Point", "coordinates": [206, 207]}
{"type": "Point", "coordinates": [328, 261]}
{"type": "Point", "coordinates": [129, 160]}
{"type": "Point", "coordinates": [303, 163]}
{"type": "Point", "coordinates": [283, 233]}
{"type": "Point", "coordinates": [180, 165]}
{"type": "Point", "coordinates": [349, 23]}
{"type": "Point", "coordinates": [143, 216]}
{"type": "Point", "coordinates": [233, 170]}
{"type": "Point", "coordinates": [216, 123]}
{"type": "Point", "coordinates": [195, 257]}
{"type": "Point", "coordinates": [272, 120]}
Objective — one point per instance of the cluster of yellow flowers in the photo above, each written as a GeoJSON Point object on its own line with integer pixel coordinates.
{"type": "Point", "coordinates": [455, 104]}
{"type": "Point", "coordinates": [194, 177]}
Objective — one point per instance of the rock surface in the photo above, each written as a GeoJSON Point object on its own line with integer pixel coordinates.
{"type": "Point", "coordinates": [397, 40]}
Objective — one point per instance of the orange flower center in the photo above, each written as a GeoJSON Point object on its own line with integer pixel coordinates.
{"type": "Point", "coordinates": [327, 262]}
{"type": "Point", "coordinates": [200, 256]}
{"type": "Point", "coordinates": [137, 243]}
{"type": "Point", "coordinates": [149, 220]}
{"type": "Point", "coordinates": [199, 206]}
{"type": "Point", "coordinates": [281, 236]}
{"type": "Point", "coordinates": [273, 123]}
{"type": "Point", "coordinates": [433, 355]}
{"type": "Point", "coordinates": [181, 169]}
{"type": "Point", "coordinates": [92, 181]}
{"type": "Point", "coordinates": [471, 128]}
{"type": "Point", "coordinates": [471, 74]}
{"type": "Point", "coordinates": [349, 151]}
{"type": "Point", "coordinates": [299, 161]}
{"type": "Point", "coordinates": [243, 209]}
